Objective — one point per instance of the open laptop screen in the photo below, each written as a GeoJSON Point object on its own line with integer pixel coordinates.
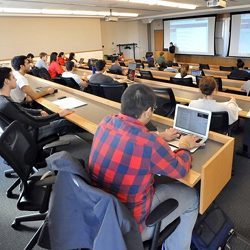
{"type": "Point", "coordinates": [196, 72]}
{"type": "Point", "coordinates": [192, 121]}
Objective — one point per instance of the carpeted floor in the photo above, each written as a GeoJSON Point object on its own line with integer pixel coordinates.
{"type": "Point", "coordinates": [234, 200]}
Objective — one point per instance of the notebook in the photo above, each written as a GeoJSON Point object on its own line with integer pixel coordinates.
{"type": "Point", "coordinates": [193, 121]}
{"type": "Point", "coordinates": [69, 103]}
{"type": "Point", "coordinates": [196, 72]}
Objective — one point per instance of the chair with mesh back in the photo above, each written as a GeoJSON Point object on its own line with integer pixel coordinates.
{"type": "Point", "coordinates": [165, 101]}
{"type": "Point", "coordinates": [227, 68]}
{"type": "Point", "coordinates": [19, 150]}
{"type": "Point", "coordinates": [183, 81]}
{"type": "Point", "coordinates": [113, 91]}
{"type": "Point", "coordinates": [219, 122]}
{"type": "Point", "coordinates": [203, 66]}
{"type": "Point", "coordinates": [145, 74]}
{"type": "Point", "coordinates": [94, 89]}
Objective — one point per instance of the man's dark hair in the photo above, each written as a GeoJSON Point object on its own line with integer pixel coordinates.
{"type": "Point", "coordinates": [100, 64]}
{"type": "Point", "coordinates": [71, 56]}
{"type": "Point", "coordinates": [114, 59]}
{"type": "Point", "coordinates": [53, 57]}
{"type": "Point", "coordinates": [69, 65]}
{"type": "Point", "coordinates": [4, 74]}
{"type": "Point", "coordinates": [136, 99]}
{"type": "Point", "coordinates": [240, 64]}
{"type": "Point", "coordinates": [30, 55]}
{"type": "Point", "coordinates": [207, 85]}
{"type": "Point", "coordinates": [42, 54]}
{"type": "Point", "coordinates": [61, 54]}
{"type": "Point", "coordinates": [17, 61]}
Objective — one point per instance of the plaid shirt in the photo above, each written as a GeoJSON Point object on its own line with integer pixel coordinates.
{"type": "Point", "coordinates": [124, 158]}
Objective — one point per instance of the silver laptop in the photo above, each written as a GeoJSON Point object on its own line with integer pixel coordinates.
{"type": "Point", "coordinates": [193, 121]}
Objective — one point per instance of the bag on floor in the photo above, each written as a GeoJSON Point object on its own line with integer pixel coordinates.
{"type": "Point", "coordinates": [212, 230]}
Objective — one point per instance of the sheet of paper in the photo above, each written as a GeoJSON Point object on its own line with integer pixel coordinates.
{"type": "Point", "coordinates": [69, 103]}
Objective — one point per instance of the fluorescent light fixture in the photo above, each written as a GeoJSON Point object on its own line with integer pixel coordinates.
{"type": "Point", "coordinates": [64, 12]}
{"type": "Point", "coordinates": [165, 3]}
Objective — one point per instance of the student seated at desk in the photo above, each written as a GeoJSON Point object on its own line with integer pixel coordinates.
{"type": "Point", "coordinates": [73, 59]}
{"type": "Point", "coordinates": [208, 88]}
{"type": "Point", "coordinates": [23, 92]}
{"type": "Point", "coordinates": [239, 72]}
{"type": "Point", "coordinates": [30, 58]}
{"type": "Point", "coordinates": [61, 59]}
{"type": "Point", "coordinates": [42, 62]}
{"type": "Point", "coordinates": [55, 69]}
{"type": "Point", "coordinates": [125, 156]}
{"type": "Point", "coordinates": [69, 74]}
{"type": "Point", "coordinates": [99, 77]}
{"type": "Point", "coordinates": [169, 67]}
{"type": "Point", "coordinates": [32, 119]}
{"type": "Point", "coordinates": [116, 68]}
{"type": "Point", "coordinates": [184, 73]}
{"type": "Point", "coordinates": [161, 59]}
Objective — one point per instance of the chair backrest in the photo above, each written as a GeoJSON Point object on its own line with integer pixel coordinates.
{"type": "Point", "coordinates": [183, 81]}
{"type": "Point", "coordinates": [4, 122]}
{"type": "Point", "coordinates": [219, 122]}
{"type": "Point", "coordinates": [19, 150]}
{"type": "Point", "coordinates": [203, 66]}
{"type": "Point", "coordinates": [94, 89]}
{"type": "Point", "coordinates": [44, 74]}
{"type": "Point", "coordinates": [175, 64]}
{"type": "Point", "coordinates": [138, 60]}
{"type": "Point", "coordinates": [165, 101]}
{"type": "Point", "coordinates": [227, 68]}
{"type": "Point", "coordinates": [145, 74]}
{"type": "Point", "coordinates": [115, 71]}
{"type": "Point", "coordinates": [113, 92]}
{"type": "Point", "coordinates": [217, 79]}
{"type": "Point", "coordinates": [122, 64]}
{"type": "Point", "coordinates": [59, 80]}
{"type": "Point", "coordinates": [70, 82]}
{"type": "Point", "coordinates": [237, 78]}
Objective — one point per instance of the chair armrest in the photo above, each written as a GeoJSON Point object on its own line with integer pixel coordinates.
{"type": "Point", "coordinates": [47, 140]}
{"type": "Point", "coordinates": [161, 211]}
{"type": "Point", "coordinates": [56, 144]}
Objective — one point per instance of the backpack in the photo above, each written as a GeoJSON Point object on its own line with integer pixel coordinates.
{"type": "Point", "coordinates": [212, 230]}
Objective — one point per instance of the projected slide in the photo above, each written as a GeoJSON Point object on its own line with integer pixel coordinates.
{"type": "Point", "coordinates": [240, 35]}
{"type": "Point", "coordinates": [190, 35]}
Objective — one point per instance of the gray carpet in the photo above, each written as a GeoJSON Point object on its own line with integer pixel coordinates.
{"type": "Point", "coordinates": [234, 200]}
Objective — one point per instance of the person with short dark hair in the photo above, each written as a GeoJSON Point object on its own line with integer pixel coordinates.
{"type": "Point", "coordinates": [99, 77]}
{"type": "Point", "coordinates": [125, 156]}
{"type": "Point", "coordinates": [32, 119]}
{"type": "Point", "coordinates": [116, 68]}
{"type": "Point", "coordinates": [42, 62]}
{"type": "Point", "coordinates": [23, 92]}
{"type": "Point", "coordinates": [30, 58]}
{"type": "Point", "coordinates": [170, 68]}
{"type": "Point", "coordinates": [69, 65]}
{"type": "Point", "coordinates": [171, 48]}
{"type": "Point", "coordinates": [239, 73]}
{"type": "Point", "coordinates": [54, 68]}
{"type": "Point", "coordinates": [208, 88]}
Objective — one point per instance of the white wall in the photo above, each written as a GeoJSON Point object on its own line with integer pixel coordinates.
{"type": "Point", "coordinates": [121, 32]}
{"type": "Point", "coordinates": [21, 35]}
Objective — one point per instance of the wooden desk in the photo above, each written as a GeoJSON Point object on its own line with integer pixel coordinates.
{"type": "Point", "coordinates": [207, 167]}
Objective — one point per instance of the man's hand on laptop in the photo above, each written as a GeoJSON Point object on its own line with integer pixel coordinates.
{"type": "Point", "coordinates": [170, 134]}
{"type": "Point", "coordinates": [189, 142]}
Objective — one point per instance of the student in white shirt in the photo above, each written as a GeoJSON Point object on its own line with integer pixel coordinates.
{"type": "Point", "coordinates": [23, 92]}
{"type": "Point", "coordinates": [69, 74]}
{"type": "Point", "coordinates": [208, 88]}
{"type": "Point", "coordinates": [184, 73]}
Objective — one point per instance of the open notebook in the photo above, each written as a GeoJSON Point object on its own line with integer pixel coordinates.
{"type": "Point", "coordinates": [192, 121]}
{"type": "Point", "coordinates": [69, 103]}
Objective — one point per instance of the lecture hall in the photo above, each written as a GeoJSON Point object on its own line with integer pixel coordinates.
{"type": "Point", "coordinates": [125, 124]}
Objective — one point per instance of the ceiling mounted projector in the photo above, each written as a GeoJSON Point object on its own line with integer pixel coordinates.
{"type": "Point", "coordinates": [217, 3]}
{"type": "Point", "coordinates": [111, 18]}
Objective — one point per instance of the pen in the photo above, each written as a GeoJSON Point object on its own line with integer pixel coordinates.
{"type": "Point", "coordinates": [62, 97]}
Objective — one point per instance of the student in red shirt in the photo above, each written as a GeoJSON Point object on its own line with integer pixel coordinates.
{"type": "Point", "coordinates": [125, 156]}
{"type": "Point", "coordinates": [54, 68]}
{"type": "Point", "coordinates": [61, 59]}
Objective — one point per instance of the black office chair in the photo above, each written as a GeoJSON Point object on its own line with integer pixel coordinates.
{"type": "Point", "coordinates": [237, 78]}
{"type": "Point", "coordinates": [219, 122]}
{"type": "Point", "coordinates": [94, 89]}
{"type": "Point", "coordinates": [165, 101]}
{"type": "Point", "coordinates": [70, 82]}
{"type": "Point", "coordinates": [217, 79]}
{"type": "Point", "coordinates": [227, 68]}
{"type": "Point", "coordinates": [145, 74]}
{"type": "Point", "coordinates": [203, 66]}
{"type": "Point", "coordinates": [122, 64]}
{"type": "Point", "coordinates": [138, 60]}
{"type": "Point", "coordinates": [117, 72]}
{"type": "Point", "coordinates": [113, 92]}
{"type": "Point", "coordinates": [19, 150]}
{"type": "Point", "coordinates": [183, 81]}
{"type": "Point", "coordinates": [175, 64]}
{"type": "Point", "coordinates": [77, 182]}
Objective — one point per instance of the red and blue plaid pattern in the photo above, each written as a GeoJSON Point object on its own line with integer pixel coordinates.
{"type": "Point", "coordinates": [124, 158]}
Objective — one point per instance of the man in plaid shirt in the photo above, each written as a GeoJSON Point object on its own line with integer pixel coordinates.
{"type": "Point", "coordinates": [125, 156]}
